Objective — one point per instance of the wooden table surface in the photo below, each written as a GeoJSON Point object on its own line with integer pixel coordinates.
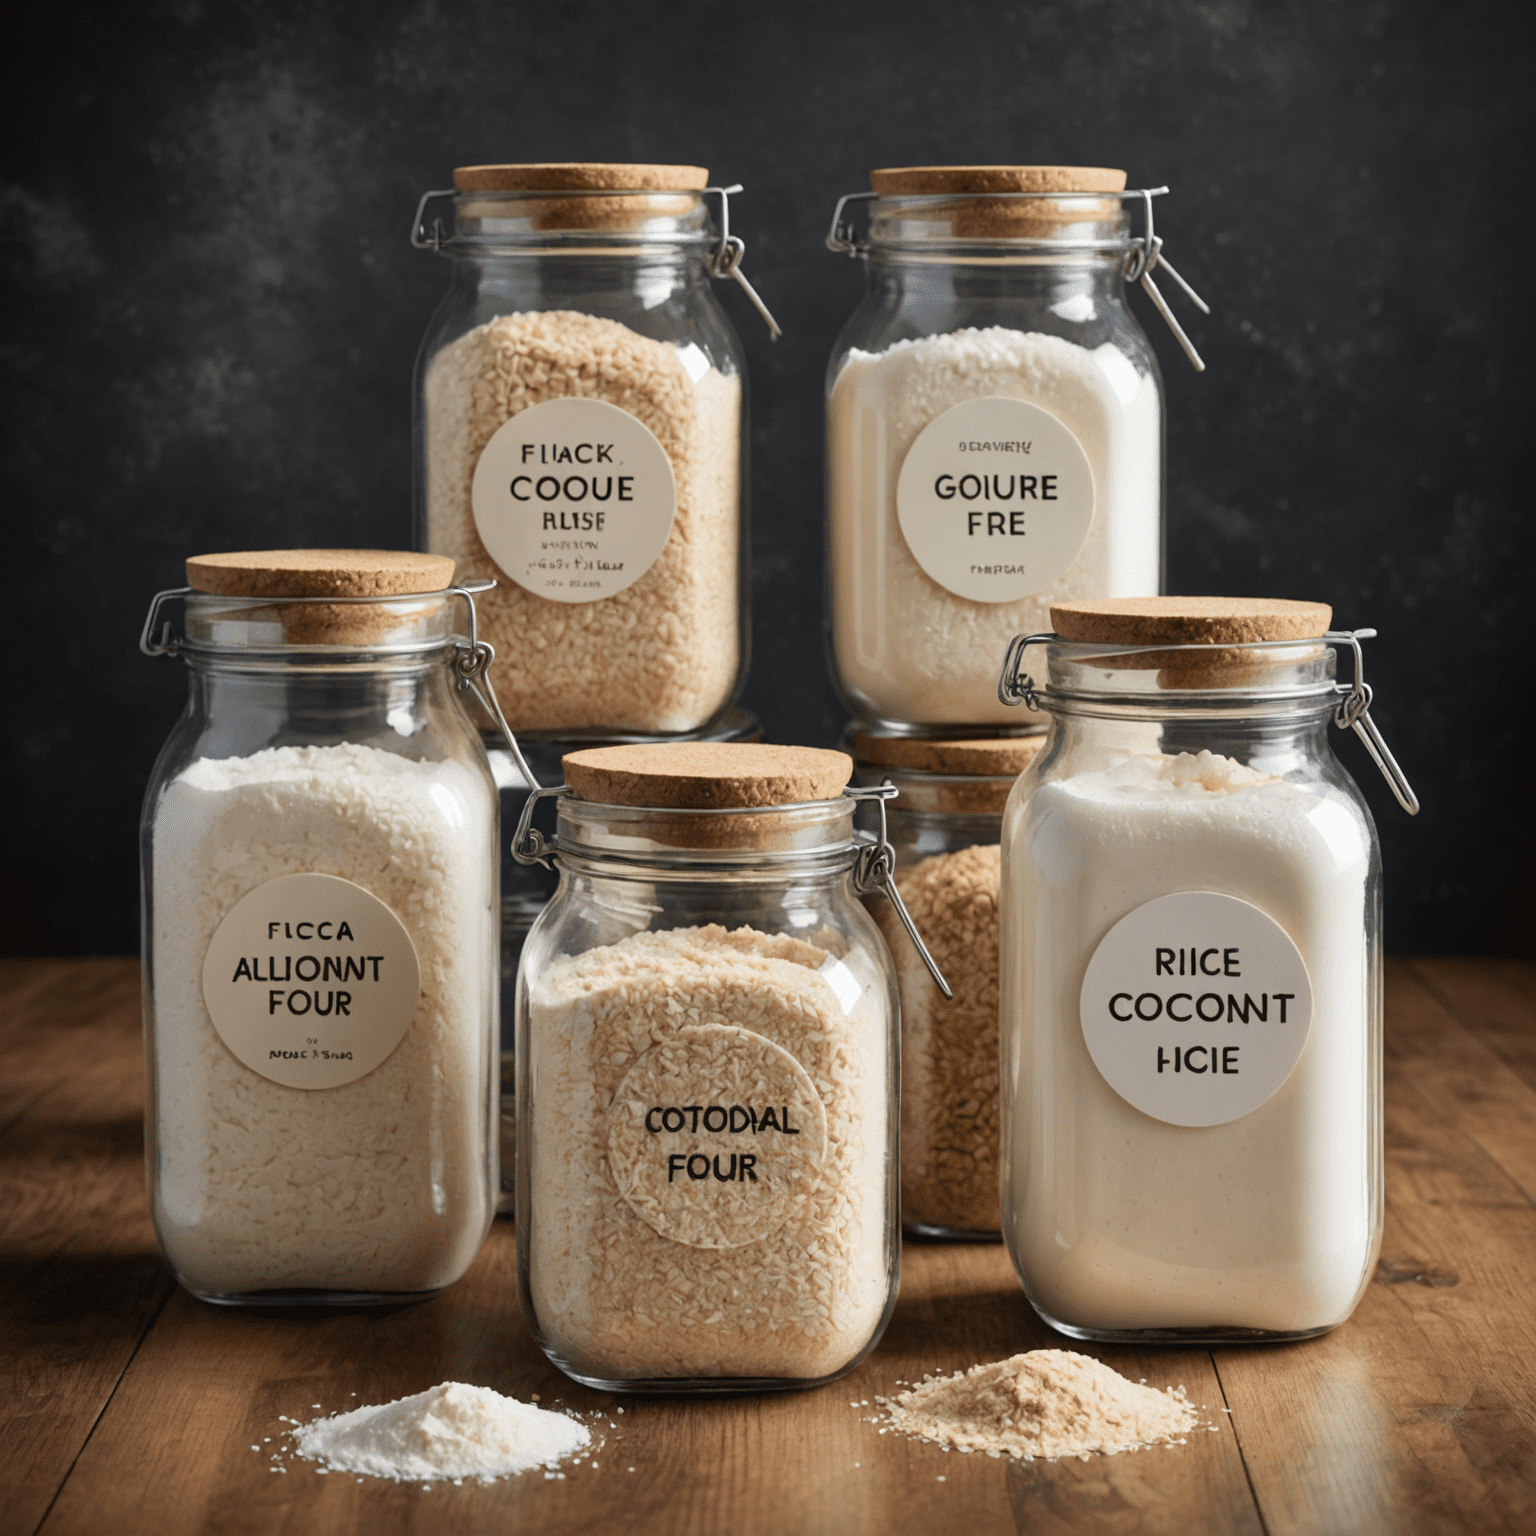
{"type": "Point", "coordinates": [129, 1406]}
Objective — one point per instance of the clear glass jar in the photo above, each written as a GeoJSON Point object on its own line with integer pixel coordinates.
{"type": "Point", "coordinates": [580, 437]}
{"type": "Point", "coordinates": [320, 942]}
{"type": "Point", "coordinates": [1191, 995]}
{"type": "Point", "coordinates": [994, 434]}
{"type": "Point", "coordinates": [707, 1080]}
{"type": "Point", "coordinates": [946, 826]}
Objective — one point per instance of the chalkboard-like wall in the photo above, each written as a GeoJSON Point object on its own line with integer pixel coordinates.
{"type": "Point", "coordinates": [212, 311]}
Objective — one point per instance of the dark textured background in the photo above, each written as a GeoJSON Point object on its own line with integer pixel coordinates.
{"type": "Point", "coordinates": [212, 310]}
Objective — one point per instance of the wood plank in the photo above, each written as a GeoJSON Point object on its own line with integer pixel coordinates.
{"type": "Point", "coordinates": [1495, 1000]}
{"type": "Point", "coordinates": [81, 1278]}
{"type": "Point", "coordinates": [1419, 1414]}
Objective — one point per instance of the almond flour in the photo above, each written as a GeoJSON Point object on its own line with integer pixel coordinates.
{"type": "Point", "coordinates": [1048, 1403]}
{"type": "Point", "coordinates": [663, 654]}
{"type": "Point", "coordinates": [785, 1276]}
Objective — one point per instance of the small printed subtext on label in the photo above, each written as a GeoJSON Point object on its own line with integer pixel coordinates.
{"type": "Point", "coordinates": [311, 980]}
{"type": "Point", "coordinates": [1196, 1007]}
{"type": "Point", "coordinates": [714, 1135]}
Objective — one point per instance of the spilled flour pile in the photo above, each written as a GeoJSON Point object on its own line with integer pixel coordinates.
{"type": "Point", "coordinates": [1048, 1403]}
{"type": "Point", "coordinates": [447, 1433]}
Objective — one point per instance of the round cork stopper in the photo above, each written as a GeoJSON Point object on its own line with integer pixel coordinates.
{"type": "Point", "coordinates": [707, 775]}
{"type": "Point", "coordinates": [1189, 620]}
{"type": "Point", "coordinates": [989, 757]}
{"type": "Point", "coordinates": [580, 176]}
{"type": "Point", "coordinates": [928, 180]}
{"type": "Point", "coordinates": [319, 573]}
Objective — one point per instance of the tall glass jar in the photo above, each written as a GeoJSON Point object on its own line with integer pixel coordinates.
{"type": "Point", "coordinates": [1191, 981]}
{"type": "Point", "coordinates": [945, 828]}
{"type": "Point", "coordinates": [580, 437]}
{"type": "Point", "coordinates": [707, 1077]}
{"type": "Point", "coordinates": [994, 431]}
{"type": "Point", "coordinates": [320, 935]}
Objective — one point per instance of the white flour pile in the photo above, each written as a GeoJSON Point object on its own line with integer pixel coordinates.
{"type": "Point", "coordinates": [1048, 1403]}
{"type": "Point", "coordinates": [614, 1296]}
{"type": "Point", "coordinates": [448, 1433]}
{"type": "Point", "coordinates": [662, 655]}
{"type": "Point", "coordinates": [380, 1184]}
{"type": "Point", "coordinates": [906, 647]}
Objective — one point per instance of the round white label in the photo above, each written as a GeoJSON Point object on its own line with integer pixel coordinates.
{"type": "Point", "coordinates": [1196, 1007]}
{"type": "Point", "coordinates": [995, 499]}
{"type": "Point", "coordinates": [311, 980]}
{"type": "Point", "coordinates": [574, 499]}
{"type": "Point", "coordinates": [716, 1136]}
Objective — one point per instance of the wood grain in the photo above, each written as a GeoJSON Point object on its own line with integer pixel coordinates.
{"type": "Point", "coordinates": [1417, 1415]}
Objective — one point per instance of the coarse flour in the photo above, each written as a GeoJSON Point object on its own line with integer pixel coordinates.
{"type": "Point", "coordinates": [1119, 1220]}
{"type": "Point", "coordinates": [381, 1184]}
{"type": "Point", "coordinates": [673, 1279]}
{"type": "Point", "coordinates": [663, 654]}
{"type": "Point", "coordinates": [907, 648]}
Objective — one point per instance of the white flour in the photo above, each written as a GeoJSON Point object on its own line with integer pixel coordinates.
{"type": "Point", "coordinates": [447, 1433]}
{"type": "Point", "coordinates": [1122, 1221]}
{"type": "Point", "coordinates": [381, 1184]}
{"type": "Point", "coordinates": [905, 646]}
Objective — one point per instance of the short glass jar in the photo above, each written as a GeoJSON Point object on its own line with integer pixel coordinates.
{"type": "Point", "coordinates": [946, 826]}
{"type": "Point", "coordinates": [1191, 983]}
{"type": "Point", "coordinates": [994, 430]}
{"type": "Point", "coordinates": [707, 1076]}
{"type": "Point", "coordinates": [319, 920]}
{"type": "Point", "coordinates": [580, 438]}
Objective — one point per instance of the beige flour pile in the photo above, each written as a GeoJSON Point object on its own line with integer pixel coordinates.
{"type": "Point", "coordinates": [613, 1295]}
{"type": "Point", "coordinates": [949, 1050]}
{"type": "Point", "coordinates": [383, 1183]}
{"type": "Point", "coordinates": [1047, 1403]}
{"type": "Point", "coordinates": [662, 655]}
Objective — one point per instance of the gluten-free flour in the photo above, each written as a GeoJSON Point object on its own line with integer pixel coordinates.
{"type": "Point", "coordinates": [709, 1141]}
{"type": "Point", "coordinates": [446, 1434]}
{"type": "Point", "coordinates": [378, 1184]}
{"type": "Point", "coordinates": [662, 653]}
{"type": "Point", "coordinates": [907, 646]}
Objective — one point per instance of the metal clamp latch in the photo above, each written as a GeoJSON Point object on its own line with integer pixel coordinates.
{"type": "Point", "coordinates": [161, 641]}
{"type": "Point", "coordinates": [1354, 714]}
{"type": "Point", "coordinates": [472, 663]}
{"type": "Point", "coordinates": [874, 871]}
{"type": "Point", "coordinates": [528, 845]}
{"type": "Point", "coordinates": [726, 261]}
{"type": "Point", "coordinates": [1014, 684]}
{"type": "Point", "coordinates": [433, 239]}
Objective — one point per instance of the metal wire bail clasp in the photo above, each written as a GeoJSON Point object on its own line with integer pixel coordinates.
{"type": "Point", "coordinates": [1014, 685]}
{"type": "Point", "coordinates": [726, 261]}
{"type": "Point", "coordinates": [528, 845]}
{"type": "Point", "coordinates": [423, 237]}
{"type": "Point", "coordinates": [874, 870]}
{"type": "Point", "coordinates": [1353, 714]}
{"type": "Point", "coordinates": [157, 638]}
{"type": "Point", "coordinates": [1146, 254]}
{"type": "Point", "coordinates": [842, 239]}
{"type": "Point", "coordinates": [472, 660]}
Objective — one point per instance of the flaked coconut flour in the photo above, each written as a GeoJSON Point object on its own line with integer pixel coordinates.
{"type": "Point", "coordinates": [450, 1432]}
{"type": "Point", "coordinates": [949, 1091]}
{"type": "Point", "coordinates": [908, 648]}
{"type": "Point", "coordinates": [1047, 1404]}
{"type": "Point", "coordinates": [663, 654]}
{"type": "Point", "coordinates": [382, 1183]}
{"type": "Point", "coordinates": [649, 1282]}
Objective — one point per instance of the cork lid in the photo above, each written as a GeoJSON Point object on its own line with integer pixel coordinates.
{"type": "Point", "coordinates": [991, 757]}
{"type": "Point", "coordinates": [580, 176]}
{"type": "Point", "coordinates": [319, 573]}
{"type": "Point", "coordinates": [1189, 620]}
{"type": "Point", "coordinates": [928, 180]}
{"type": "Point", "coordinates": [707, 775]}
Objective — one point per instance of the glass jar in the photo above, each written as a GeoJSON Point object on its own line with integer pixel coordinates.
{"type": "Point", "coordinates": [994, 430]}
{"type": "Point", "coordinates": [707, 1076]}
{"type": "Point", "coordinates": [1191, 979]}
{"type": "Point", "coordinates": [580, 437]}
{"type": "Point", "coordinates": [320, 936]}
{"type": "Point", "coordinates": [945, 829]}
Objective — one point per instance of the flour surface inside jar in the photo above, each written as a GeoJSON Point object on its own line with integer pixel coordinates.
{"type": "Point", "coordinates": [1120, 1221]}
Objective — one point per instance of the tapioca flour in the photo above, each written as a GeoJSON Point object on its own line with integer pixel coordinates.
{"type": "Point", "coordinates": [1119, 1219]}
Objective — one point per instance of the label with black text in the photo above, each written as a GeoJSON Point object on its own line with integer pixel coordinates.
{"type": "Point", "coordinates": [995, 499]}
{"type": "Point", "coordinates": [311, 980]}
{"type": "Point", "coordinates": [1196, 1007]}
{"type": "Point", "coordinates": [574, 499]}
